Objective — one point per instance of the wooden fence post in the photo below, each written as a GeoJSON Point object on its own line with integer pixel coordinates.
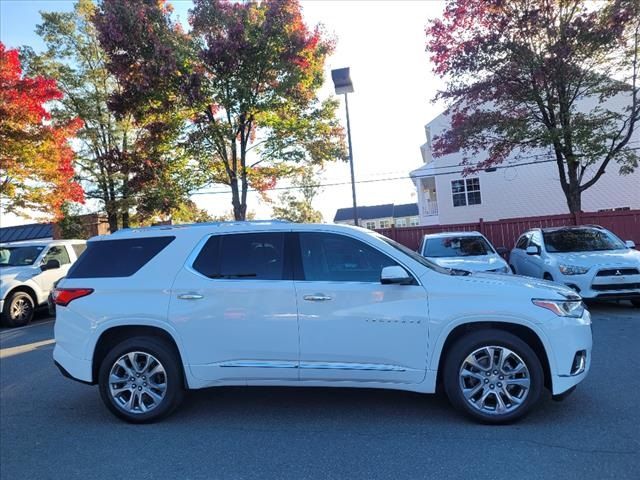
{"type": "Point", "coordinates": [577, 218]}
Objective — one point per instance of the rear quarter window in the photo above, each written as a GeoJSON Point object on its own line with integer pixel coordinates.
{"type": "Point", "coordinates": [79, 248]}
{"type": "Point", "coordinates": [117, 258]}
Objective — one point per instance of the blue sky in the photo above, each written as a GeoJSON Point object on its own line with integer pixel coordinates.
{"type": "Point", "coordinates": [383, 42]}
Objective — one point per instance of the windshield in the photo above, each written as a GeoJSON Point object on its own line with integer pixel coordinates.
{"type": "Point", "coordinates": [19, 256]}
{"type": "Point", "coordinates": [457, 247]}
{"type": "Point", "coordinates": [581, 240]}
{"type": "Point", "coordinates": [414, 256]}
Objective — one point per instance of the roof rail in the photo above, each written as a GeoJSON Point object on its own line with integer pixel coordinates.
{"type": "Point", "coordinates": [200, 224]}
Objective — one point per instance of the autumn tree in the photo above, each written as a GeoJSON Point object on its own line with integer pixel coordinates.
{"type": "Point", "coordinates": [558, 75]}
{"type": "Point", "coordinates": [36, 160]}
{"type": "Point", "coordinates": [248, 71]}
{"type": "Point", "coordinates": [131, 164]}
{"type": "Point", "coordinates": [296, 204]}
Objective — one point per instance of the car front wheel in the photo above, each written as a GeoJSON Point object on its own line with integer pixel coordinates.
{"type": "Point", "coordinates": [141, 380]}
{"type": "Point", "coordinates": [493, 376]}
{"type": "Point", "coordinates": [18, 310]}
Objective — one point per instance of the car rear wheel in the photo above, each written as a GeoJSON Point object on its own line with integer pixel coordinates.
{"type": "Point", "coordinates": [493, 376]}
{"type": "Point", "coordinates": [141, 380]}
{"type": "Point", "coordinates": [18, 310]}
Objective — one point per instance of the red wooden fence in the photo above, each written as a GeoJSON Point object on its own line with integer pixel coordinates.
{"type": "Point", "coordinates": [504, 233]}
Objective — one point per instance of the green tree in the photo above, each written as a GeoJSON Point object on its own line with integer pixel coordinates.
{"type": "Point", "coordinates": [250, 73]}
{"type": "Point", "coordinates": [70, 224]}
{"type": "Point", "coordinates": [127, 163]}
{"type": "Point", "coordinates": [561, 75]}
{"type": "Point", "coordinates": [298, 207]}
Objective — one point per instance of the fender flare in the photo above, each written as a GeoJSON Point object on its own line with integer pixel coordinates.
{"type": "Point", "coordinates": [436, 352]}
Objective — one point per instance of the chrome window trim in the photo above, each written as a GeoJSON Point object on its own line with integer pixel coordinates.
{"type": "Point", "coordinates": [188, 265]}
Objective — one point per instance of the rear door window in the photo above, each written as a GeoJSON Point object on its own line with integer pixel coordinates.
{"type": "Point", "coordinates": [117, 258]}
{"type": "Point", "coordinates": [243, 256]}
{"type": "Point", "coordinates": [57, 252]}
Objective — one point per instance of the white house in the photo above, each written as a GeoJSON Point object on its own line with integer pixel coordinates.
{"type": "Point", "coordinates": [380, 216]}
{"type": "Point", "coordinates": [524, 187]}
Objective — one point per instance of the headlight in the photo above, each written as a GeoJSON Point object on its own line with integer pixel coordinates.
{"type": "Point", "coordinates": [572, 269]}
{"type": "Point", "coordinates": [562, 308]}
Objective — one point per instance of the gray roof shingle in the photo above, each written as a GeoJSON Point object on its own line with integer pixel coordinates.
{"type": "Point", "coordinates": [20, 233]}
{"type": "Point", "coordinates": [378, 211]}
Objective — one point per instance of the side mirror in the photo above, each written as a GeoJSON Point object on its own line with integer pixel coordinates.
{"type": "Point", "coordinates": [502, 251]}
{"type": "Point", "coordinates": [533, 250]}
{"type": "Point", "coordinates": [395, 275]}
{"type": "Point", "coordinates": [630, 244]}
{"type": "Point", "coordinates": [50, 265]}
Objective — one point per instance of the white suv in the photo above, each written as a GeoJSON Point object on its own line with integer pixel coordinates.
{"type": "Point", "coordinates": [28, 271]}
{"type": "Point", "coordinates": [591, 260]}
{"type": "Point", "coordinates": [147, 313]}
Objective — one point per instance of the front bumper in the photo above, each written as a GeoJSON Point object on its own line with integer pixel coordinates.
{"type": "Point", "coordinates": [567, 337]}
{"type": "Point", "coordinates": [590, 286]}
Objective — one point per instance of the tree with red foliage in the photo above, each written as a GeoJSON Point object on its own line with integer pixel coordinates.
{"type": "Point", "coordinates": [248, 71]}
{"type": "Point", "coordinates": [36, 160]}
{"type": "Point", "coordinates": [541, 74]}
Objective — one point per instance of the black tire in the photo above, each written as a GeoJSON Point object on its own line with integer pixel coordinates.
{"type": "Point", "coordinates": [18, 317]}
{"type": "Point", "coordinates": [470, 343]}
{"type": "Point", "coordinates": [636, 302]}
{"type": "Point", "coordinates": [547, 276]}
{"type": "Point", "coordinates": [173, 376]}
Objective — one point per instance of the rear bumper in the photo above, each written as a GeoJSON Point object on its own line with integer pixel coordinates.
{"type": "Point", "coordinates": [73, 367]}
{"type": "Point", "coordinates": [68, 375]}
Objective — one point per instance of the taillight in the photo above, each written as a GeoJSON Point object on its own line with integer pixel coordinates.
{"type": "Point", "coordinates": [64, 296]}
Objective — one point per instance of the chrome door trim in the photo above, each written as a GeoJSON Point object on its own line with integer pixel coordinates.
{"type": "Point", "coordinates": [379, 367]}
{"type": "Point", "coordinates": [259, 364]}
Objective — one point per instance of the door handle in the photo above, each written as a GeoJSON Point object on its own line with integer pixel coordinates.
{"type": "Point", "coordinates": [190, 296]}
{"type": "Point", "coordinates": [317, 298]}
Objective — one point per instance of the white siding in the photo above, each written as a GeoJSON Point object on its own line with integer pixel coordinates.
{"type": "Point", "coordinates": [524, 191]}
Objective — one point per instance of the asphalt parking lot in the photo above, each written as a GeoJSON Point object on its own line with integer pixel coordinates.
{"type": "Point", "coordinates": [53, 428]}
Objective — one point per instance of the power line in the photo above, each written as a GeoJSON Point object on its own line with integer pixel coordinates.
{"type": "Point", "coordinates": [392, 179]}
{"type": "Point", "coordinates": [372, 180]}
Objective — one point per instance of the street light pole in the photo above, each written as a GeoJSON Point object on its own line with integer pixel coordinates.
{"type": "Point", "coordinates": [343, 85]}
{"type": "Point", "coordinates": [353, 179]}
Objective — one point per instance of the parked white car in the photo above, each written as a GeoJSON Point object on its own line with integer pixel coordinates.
{"type": "Point", "coordinates": [469, 251]}
{"type": "Point", "coordinates": [591, 260]}
{"type": "Point", "coordinates": [147, 313]}
{"type": "Point", "coordinates": [28, 271]}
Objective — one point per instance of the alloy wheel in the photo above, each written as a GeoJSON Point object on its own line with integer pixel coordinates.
{"type": "Point", "coordinates": [494, 380]}
{"type": "Point", "coordinates": [137, 382]}
{"type": "Point", "coordinates": [21, 310]}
